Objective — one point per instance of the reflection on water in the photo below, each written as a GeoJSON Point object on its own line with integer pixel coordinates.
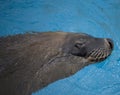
{"type": "Point", "coordinates": [96, 17]}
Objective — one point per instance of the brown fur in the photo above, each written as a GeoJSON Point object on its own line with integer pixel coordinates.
{"type": "Point", "coordinates": [31, 61]}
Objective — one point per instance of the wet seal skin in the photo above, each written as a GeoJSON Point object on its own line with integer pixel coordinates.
{"type": "Point", "coordinates": [31, 61]}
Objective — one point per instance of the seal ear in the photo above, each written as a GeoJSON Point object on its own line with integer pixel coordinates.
{"type": "Point", "coordinates": [79, 50]}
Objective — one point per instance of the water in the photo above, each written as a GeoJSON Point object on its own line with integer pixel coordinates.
{"type": "Point", "coordinates": [100, 18]}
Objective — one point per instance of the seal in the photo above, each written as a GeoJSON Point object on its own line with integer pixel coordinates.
{"type": "Point", "coordinates": [31, 61]}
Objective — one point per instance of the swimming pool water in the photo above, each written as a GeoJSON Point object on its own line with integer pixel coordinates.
{"type": "Point", "coordinates": [100, 18]}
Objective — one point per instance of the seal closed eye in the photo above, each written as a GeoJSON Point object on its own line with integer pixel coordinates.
{"type": "Point", "coordinates": [29, 62]}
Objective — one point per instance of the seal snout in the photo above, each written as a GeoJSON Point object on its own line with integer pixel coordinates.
{"type": "Point", "coordinates": [102, 51]}
{"type": "Point", "coordinates": [109, 42]}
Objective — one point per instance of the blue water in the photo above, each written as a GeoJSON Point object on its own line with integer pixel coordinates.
{"type": "Point", "coordinates": [100, 18]}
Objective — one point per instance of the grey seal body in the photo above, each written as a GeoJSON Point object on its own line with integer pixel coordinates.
{"type": "Point", "coordinates": [29, 62]}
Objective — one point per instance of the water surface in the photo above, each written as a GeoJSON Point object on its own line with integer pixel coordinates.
{"type": "Point", "coordinates": [100, 18]}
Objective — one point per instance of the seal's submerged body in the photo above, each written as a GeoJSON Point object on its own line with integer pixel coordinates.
{"type": "Point", "coordinates": [30, 62]}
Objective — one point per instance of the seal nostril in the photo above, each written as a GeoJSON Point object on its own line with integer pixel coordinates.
{"type": "Point", "coordinates": [110, 43]}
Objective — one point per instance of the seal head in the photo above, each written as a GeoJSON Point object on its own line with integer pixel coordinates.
{"type": "Point", "coordinates": [91, 48]}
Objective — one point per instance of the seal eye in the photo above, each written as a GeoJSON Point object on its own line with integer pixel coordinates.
{"type": "Point", "coordinates": [79, 50]}
{"type": "Point", "coordinates": [78, 45]}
